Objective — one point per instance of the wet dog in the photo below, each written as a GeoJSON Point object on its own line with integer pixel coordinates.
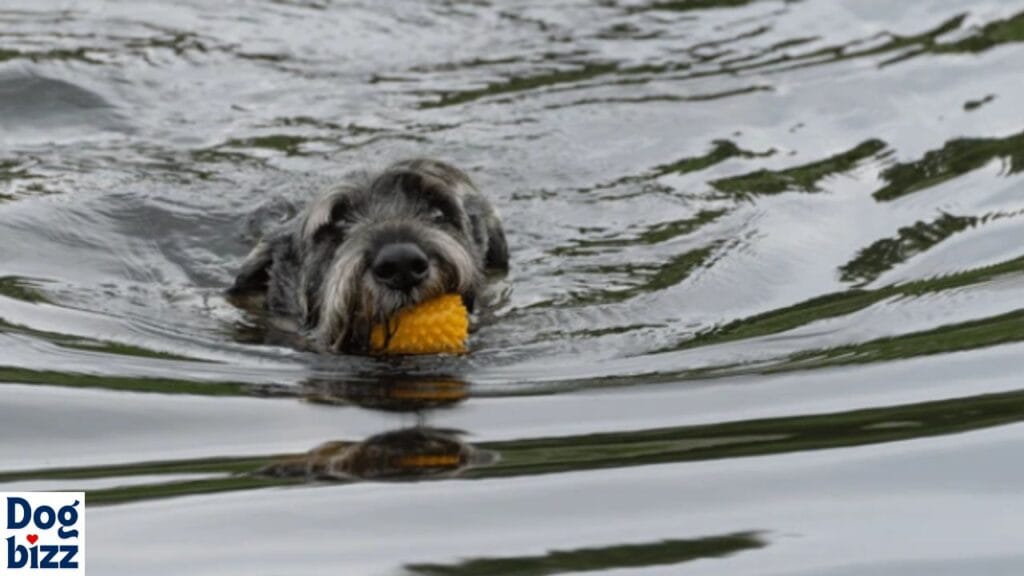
{"type": "Point", "coordinates": [371, 247]}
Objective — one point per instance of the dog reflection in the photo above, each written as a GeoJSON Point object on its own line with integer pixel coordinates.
{"type": "Point", "coordinates": [408, 454]}
{"type": "Point", "coordinates": [394, 395]}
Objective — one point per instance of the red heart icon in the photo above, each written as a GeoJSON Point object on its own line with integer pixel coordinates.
{"type": "Point", "coordinates": [32, 538]}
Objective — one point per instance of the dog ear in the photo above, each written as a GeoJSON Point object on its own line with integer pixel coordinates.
{"type": "Point", "coordinates": [497, 247]}
{"type": "Point", "coordinates": [488, 232]}
{"type": "Point", "coordinates": [255, 271]}
{"type": "Point", "coordinates": [324, 212]}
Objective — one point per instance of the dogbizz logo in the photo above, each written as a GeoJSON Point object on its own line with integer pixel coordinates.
{"type": "Point", "coordinates": [42, 533]}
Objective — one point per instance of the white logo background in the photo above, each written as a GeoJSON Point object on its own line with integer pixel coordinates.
{"type": "Point", "coordinates": [42, 533]}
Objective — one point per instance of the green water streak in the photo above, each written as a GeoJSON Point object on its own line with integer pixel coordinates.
{"type": "Point", "coordinates": [662, 553]}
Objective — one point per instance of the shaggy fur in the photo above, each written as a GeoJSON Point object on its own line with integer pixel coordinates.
{"type": "Point", "coordinates": [317, 269]}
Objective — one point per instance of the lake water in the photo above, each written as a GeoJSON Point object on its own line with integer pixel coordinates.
{"type": "Point", "coordinates": [765, 315]}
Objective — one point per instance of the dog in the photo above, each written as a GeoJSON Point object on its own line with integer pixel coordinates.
{"type": "Point", "coordinates": [371, 247]}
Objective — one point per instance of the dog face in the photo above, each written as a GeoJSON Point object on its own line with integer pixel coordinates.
{"type": "Point", "coordinates": [364, 251]}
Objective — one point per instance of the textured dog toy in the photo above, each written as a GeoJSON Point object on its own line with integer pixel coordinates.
{"type": "Point", "coordinates": [438, 326]}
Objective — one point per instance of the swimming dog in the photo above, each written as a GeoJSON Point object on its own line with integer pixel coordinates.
{"type": "Point", "coordinates": [373, 246]}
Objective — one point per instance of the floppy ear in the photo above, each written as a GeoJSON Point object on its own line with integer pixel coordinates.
{"type": "Point", "coordinates": [325, 211]}
{"type": "Point", "coordinates": [255, 271]}
{"type": "Point", "coordinates": [497, 247]}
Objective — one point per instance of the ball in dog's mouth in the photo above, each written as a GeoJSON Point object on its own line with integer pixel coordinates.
{"type": "Point", "coordinates": [436, 326]}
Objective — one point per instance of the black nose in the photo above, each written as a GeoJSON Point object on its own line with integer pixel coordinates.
{"type": "Point", "coordinates": [401, 266]}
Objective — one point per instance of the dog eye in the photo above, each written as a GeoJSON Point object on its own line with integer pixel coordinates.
{"type": "Point", "coordinates": [437, 216]}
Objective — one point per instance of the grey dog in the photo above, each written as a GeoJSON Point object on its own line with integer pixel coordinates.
{"type": "Point", "coordinates": [371, 247]}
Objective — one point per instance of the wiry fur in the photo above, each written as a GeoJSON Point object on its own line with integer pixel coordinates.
{"type": "Point", "coordinates": [315, 269]}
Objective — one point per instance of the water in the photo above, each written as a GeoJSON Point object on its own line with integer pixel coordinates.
{"type": "Point", "coordinates": [766, 310]}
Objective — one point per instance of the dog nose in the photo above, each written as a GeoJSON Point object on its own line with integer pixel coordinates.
{"type": "Point", "coordinates": [401, 266]}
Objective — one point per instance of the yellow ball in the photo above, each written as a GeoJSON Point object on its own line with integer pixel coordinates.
{"type": "Point", "coordinates": [438, 326]}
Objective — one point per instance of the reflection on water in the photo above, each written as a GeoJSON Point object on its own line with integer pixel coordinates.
{"type": "Point", "coordinates": [665, 552]}
{"type": "Point", "coordinates": [413, 453]}
{"type": "Point", "coordinates": [398, 394]}
{"type": "Point", "coordinates": [955, 158]}
{"type": "Point", "coordinates": [766, 291]}
{"type": "Point", "coordinates": [418, 453]}
{"type": "Point", "coordinates": [422, 452]}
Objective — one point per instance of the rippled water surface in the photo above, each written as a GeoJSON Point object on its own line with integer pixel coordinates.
{"type": "Point", "coordinates": [767, 299]}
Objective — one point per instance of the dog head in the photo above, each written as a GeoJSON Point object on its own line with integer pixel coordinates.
{"type": "Point", "coordinates": [365, 250]}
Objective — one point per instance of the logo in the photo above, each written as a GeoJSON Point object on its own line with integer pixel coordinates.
{"type": "Point", "coordinates": [42, 533]}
